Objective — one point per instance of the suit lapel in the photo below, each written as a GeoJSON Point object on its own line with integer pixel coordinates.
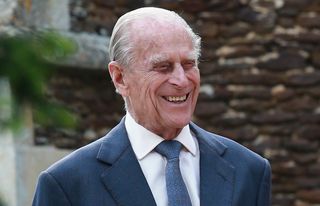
{"type": "Point", "coordinates": [124, 178]}
{"type": "Point", "coordinates": [216, 174]}
{"type": "Point", "coordinates": [125, 181]}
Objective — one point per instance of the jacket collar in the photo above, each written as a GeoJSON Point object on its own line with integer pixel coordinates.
{"type": "Point", "coordinates": [216, 174]}
{"type": "Point", "coordinates": [125, 180]}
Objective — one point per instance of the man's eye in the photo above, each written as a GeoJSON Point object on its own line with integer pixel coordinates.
{"type": "Point", "coordinates": [162, 67]}
{"type": "Point", "coordinates": [189, 64]}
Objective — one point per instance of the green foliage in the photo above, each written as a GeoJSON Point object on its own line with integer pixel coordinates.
{"type": "Point", "coordinates": [24, 61]}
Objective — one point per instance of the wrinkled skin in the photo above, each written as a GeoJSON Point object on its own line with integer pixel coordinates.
{"type": "Point", "coordinates": [161, 86]}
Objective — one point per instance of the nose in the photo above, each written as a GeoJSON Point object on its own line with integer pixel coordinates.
{"type": "Point", "coordinates": [178, 77]}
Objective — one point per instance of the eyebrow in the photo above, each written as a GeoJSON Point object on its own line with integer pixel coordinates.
{"type": "Point", "coordinates": [158, 58]}
{"type": "Point", "coordinates": [191, 56]}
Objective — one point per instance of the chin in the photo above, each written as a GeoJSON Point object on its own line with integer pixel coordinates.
{"type": "Point", "coordinates": [180, 122]}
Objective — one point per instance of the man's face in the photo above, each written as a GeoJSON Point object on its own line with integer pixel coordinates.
{"type": "Point", "coordinates": [163, 82]}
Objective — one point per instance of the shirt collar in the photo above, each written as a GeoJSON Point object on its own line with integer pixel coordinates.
{"type": "Point", "coordinates": [144, 141]}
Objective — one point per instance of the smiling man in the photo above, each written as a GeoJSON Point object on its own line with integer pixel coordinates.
{"type": "Point", "coordinates": [160, 84]}
{"type": "Point", "coordinates": [156, 155]}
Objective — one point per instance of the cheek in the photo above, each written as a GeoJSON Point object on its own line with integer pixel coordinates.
{"type": "Point", "coordinates": [194, 77]}
{"type": "Point", "coordinates": [155, 82]}
{"type": "Point", "coordinates": [147, 90]}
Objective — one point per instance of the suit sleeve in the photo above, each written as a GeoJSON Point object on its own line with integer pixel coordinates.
{"type": "Point", "coordinates": [264, 198]}
{"type": "Point", "coordinates": [49, 192]}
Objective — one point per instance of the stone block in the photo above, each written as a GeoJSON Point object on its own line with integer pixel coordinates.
{"type": "Point", "coordinates": [299, 104]}
{"type": "Point", "coordinates": [286, 60]}
{"type": "Point", "coordinates": [286, 22]}
{"type": "Point", "coordinates": [316, 58]}
{"type": "Point", "coordinates": [92, 51]}
{"type": "Point", "coordinates": [226, 121]}
{"type": "Point", "coordinates": [103, 3]}
{"type": "Point", "coordinates": [305, 159]}
{"type": "Point", "coordinates": [217, 17]}
{"type": "Point", "coordinates": [52, 14]}
{"type": "Point", "coordinates": [308, 37]}
{"type": "Point", "coordinates": [312, 196]}
{"type": "Point", "coordinates": [309, 21]}
{"type": "Point", "coordinates": [284, 199]}
{"type": "Point", "coordinates": [249, 105]}
{"type": "Point", "coordinates": [208, 30]}
{"type": "Point", "coordinates": [248, 14]}
{"type": "Point", "coordinates": [193, 6]}
{"type": "Point", "coordinates": [222, 93]}
{"type": "Point", "coordinates": [313, 6]}
{"type": "Point", "coordinates": [263, 144]}
{"type": "Point", "coordinates": [207, 68]}
{"type": "Point", "coordinates": [282, 130]}
{"type": "Point", "coordinates": [308, 79]}
{"type": "Point", "coordinates": [313, 91]}
{"type": "Point", "coordinates": [307, 182]}
{"type": "Point", "coordinates": [302, 146]}
{"type": "Point", "coordinates": [242, 133]}
{"type": "Point", "coordinates": [282, 93]}
{"type": "Point", "coordinates": [30, 161]}
{"type": "Point", "coordinates": [307, 118]}
{"type": "Point", "coordinates": [255, 93]}
{"type": "Point", "coordinates": [314, 169]}
{"type": "Point", "coordinates": [132, 4]}
{"type": "Point", "coordinates": [311, 132]}
{"type": "Point", "coordinates": [287, 169]}
{"type": "Point", "coordinates": [207, 109]}
{"type": "Point", "coordinates": [7, 8]}
{"type": "Point", "coordinates": [238, 29]}
{"type": "Point", "coordinates": [293, 7]}
{"type": "Point", "coordinates": [266, 23]}
{"type": "Point", "coordinates": [273, 118]}
{"type": "Point", "coordinates": [254, 79]}
{"type": "Point", "coordinates": [289, 11]}
{"type": "Point", "coordinates": [167, 4]}
{"type": "Point", "coordinates": [8, 189]}
{"type": "Point", "coordinates": [241, 51]}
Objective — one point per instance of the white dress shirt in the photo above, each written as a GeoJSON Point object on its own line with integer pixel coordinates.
{"type": "Point", "coordinates": [153, 164]}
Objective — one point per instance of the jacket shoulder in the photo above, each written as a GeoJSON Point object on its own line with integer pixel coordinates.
{"type": "Point", "coordinates": [229, 149]}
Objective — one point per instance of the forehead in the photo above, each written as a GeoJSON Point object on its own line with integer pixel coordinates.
{"type": "Point", "coordinates": [161, 39]}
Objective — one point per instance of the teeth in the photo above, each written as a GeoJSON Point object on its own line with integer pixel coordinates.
{"type": "Point", "coordinates": [176, 99]}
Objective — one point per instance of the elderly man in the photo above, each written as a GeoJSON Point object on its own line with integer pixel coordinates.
{"type": "Point", "coordinates": [156, 155]}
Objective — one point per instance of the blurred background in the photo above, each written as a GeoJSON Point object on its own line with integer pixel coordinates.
{"type": "Point", "coordinates": [260, 70]}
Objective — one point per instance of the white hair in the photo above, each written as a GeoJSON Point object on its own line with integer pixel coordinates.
{"type": "Point", "coordinates": [121, 47]}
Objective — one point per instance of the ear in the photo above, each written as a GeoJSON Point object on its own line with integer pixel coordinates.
{"type": "Point", "coordinates": [117, 76]}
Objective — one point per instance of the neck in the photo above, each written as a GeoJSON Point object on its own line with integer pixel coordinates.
{"type": "Point", "coordinates": [165, 133]}
{"type": "Point", "coordinates": [169, 134]}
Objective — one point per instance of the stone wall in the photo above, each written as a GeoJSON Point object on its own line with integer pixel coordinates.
{"type": "Point", "coordinates": [260, 83]}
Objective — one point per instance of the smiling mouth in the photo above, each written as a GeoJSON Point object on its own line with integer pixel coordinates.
{"type": "Point", "coordinates": [176, 99]}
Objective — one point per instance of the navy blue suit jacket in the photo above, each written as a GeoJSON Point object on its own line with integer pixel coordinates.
{"type": "Point", "coordinates": [107, 173]}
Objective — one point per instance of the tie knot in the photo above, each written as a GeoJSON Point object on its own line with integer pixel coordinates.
{"type": "Point", "coordinates": [169, 148]}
